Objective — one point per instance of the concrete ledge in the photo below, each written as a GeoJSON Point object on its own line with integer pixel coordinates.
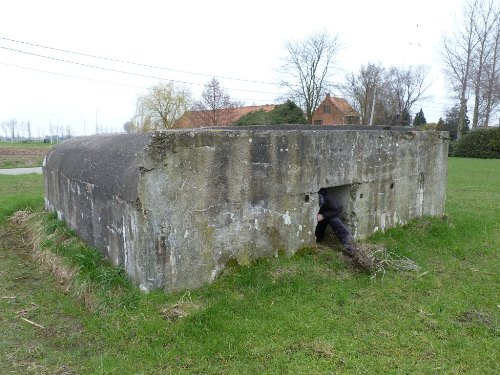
{"type": "Point", "coordinates": [173, 207]}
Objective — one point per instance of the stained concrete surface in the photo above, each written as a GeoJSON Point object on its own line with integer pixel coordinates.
{"type": "Point", "coordinates": [174, 207]}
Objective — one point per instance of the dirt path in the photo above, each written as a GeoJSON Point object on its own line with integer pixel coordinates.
{"type": "Point", "coordinates": [17, 171]}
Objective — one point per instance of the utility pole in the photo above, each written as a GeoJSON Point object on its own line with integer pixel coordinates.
{"type": "Point", "coordinates": [96, 124]}
{"type": "Point", "coordinates": [51, 129]}
{"type": "Point", "coordinates": [373, 105]}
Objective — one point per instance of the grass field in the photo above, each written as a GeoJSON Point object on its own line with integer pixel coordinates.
{"type": "Point", "coordinates": [22, 155]}
{"type": "Point", "coordinates": [310, 314]}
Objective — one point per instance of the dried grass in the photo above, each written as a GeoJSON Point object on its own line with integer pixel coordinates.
{"type": "Point", "coordinates": [19, 217]}
{"type": "Point", "coordinates": [376, 259]}
{"type": "Point", "coordinates": [280, 273]}
{"type": "Point", "coordinates": [179, 310]}
{"type": "Point", "coordinates": [50, 261]}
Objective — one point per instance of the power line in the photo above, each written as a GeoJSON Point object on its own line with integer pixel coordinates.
{"type": "Point", "coordinates": [125, 72]}
{"type": "Point", "coordinates": [106, 82]}
{"type": "Point", "coordinates": [70, 76]}
{"type": "Point", "coordinates": [135, 63]}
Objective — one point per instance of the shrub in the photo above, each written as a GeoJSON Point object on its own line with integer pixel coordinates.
{"type": "Point", "coordinates": [259, 117]}
{"type": "Point", "coordinates": [480, 143]}
{"type": "Point", "coordinates": [286, 113]}
{"type": "Point", "coordinates": [452, 148]}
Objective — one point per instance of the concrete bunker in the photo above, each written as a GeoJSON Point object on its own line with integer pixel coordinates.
{"type": "Point", "coordinates": [174, 207]}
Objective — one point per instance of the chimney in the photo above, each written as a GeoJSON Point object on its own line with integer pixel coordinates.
{"type": "Point", "coordinates": [327, 95]}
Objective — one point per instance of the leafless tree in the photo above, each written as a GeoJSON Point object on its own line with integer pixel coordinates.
{"type": "Point", "coordinates": [20, 130]}
{"type": "Point", "coordinates": [486, 19]}
{"type": "Point", "coordinates": [28, 129]}
{"type": "Point", "coordinates": [360, 89]}
{"type": "Point", "coordinates": [457, 54]}
{"type": "Point", "coordinates": [161, 106]}
{"type": "Point", "coordinates": [308, 66]}
{"type": "Point", "coordinates": [215, 107]}
{"type": "Point", "coordinates": [405, 87]}
{"type": "Point", "coordinates": [10, 127]}
{"type": "Point", "coordinates": [492, 71]}
{"type": "Point", "coordinates": [5, 128]}
{"type": "Point", "coordinates": [395, 90]}
{"type": "Point", "coordinates": [471, 57]}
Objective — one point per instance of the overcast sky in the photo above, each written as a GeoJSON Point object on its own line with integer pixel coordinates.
{"type": "Point", "coordinates": [193, 41]}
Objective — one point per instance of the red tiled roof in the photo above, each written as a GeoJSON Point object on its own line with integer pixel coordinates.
{"type": "Point", "coordinates": [196, 119]}
{"type": "Point", "coordinates": [343, 105]}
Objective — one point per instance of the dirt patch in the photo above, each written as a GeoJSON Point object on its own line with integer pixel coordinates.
{"type": "Point", "coordinates": [477, 317]}
{"type": "Point", "coordinates": [23, 151]}
{"type": "Point", "coordinates": [179, 310]}
{"type": "Point", "coordinates": [22, 157]}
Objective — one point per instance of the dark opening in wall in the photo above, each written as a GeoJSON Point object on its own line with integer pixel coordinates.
{"type": "Point", "coordinates": [344, 195]}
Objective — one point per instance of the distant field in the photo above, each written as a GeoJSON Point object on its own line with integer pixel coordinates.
{"type": "Point", "coordinates": [21, 155]}
{"type": "Point", "coordinates": [309, 314]}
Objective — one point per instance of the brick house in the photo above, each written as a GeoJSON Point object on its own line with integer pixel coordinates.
{"type": "Point", "coordinates": [227, 116]}
{"type": "Point", "coordinates": [335, 111]}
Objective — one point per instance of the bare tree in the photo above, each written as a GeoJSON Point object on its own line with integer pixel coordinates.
{"type": "Point", "coordinates": [28, 129]}
{"type": "Point", "coordinates": [492, 71]}
{"type": "Point", "coordinates": [485, 20]}
{"type": "Point", "coordinates": [215, 107]}
{"type": "Point", "coordinates": [360, 89]}
{"type": "Point", "coordinates": [404, 88]}
{"type": "Point", "coordinates": [471, 57]}
{"type": "Point", "coordinates": [161, 106]}
{"type": "Point", "coordinates": [5, 128]}
{"type": "Point", "coordinates": [457, 55]}
{"type": "Point", "coordinates": [11, 127]}
{"type": "Point", "coordinates": [20, 130]}
{"type": "Point", "coordinates": [395, 90]}
{"type": "Point", "coordinates": [308, 67]}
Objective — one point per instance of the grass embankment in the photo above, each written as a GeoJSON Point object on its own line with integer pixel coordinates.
{"type": "Point", "coordinates": [22, 155]}
{"type": "Point", "coordinates": [307, 314]}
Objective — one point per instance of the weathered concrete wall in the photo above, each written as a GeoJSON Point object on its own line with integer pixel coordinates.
{"type": "Point", "coordinates": [172, 208]}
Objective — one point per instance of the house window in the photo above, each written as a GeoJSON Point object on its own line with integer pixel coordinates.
{"type": "Point", "coordinates": [326, 109]}
{"type": "Point", "coordinates": [318, 122]}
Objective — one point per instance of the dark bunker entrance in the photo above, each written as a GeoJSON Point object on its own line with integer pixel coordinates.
{"type": "Point", "coordinates": [342, 197]}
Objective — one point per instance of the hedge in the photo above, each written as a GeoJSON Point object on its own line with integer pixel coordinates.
{"type": "Point", "coordinates": [480, 143]}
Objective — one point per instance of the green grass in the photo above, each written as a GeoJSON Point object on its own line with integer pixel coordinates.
{"type": "Point", "coordinates": [20, 193]}
{"type": "Point", "coordinates": [23, 145]}
{"type": "Point", "coordinates": [307, 314]}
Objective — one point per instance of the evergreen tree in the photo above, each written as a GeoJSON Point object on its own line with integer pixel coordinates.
{"type": "Point", "coordinates": [419, 119]}
{"type": "Point", "coordinates": [451, 122]}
